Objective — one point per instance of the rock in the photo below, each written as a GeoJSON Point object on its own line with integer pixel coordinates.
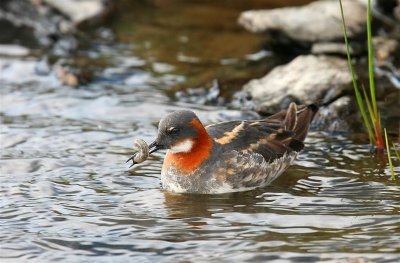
{"type": "Point", "coordinates": [386, 6]}
{"type": "Point", "coordinates": [306, 79]}
{"type": "Point", "coordinates": [336, 48]}
{"type": "Point", "coordinates": [390, 106]}
{"type": "Point", "coordinates": [73, 77]}
{"type": "Point", "coordinates": [383, 10]}
{"type": "Point", "coordinates": [202, 95]}
{"type": "Point", "coordinates": [13, 50]}
{"type": "Point", "coordinates": [79, 11]}
{"type": "Point", "coordinates": [384, 49]}
{"type": "Point", "coordinates": [373, 3]}
{"type": "Point", "coordinates": [318, 21]}
{"type": "Point", "coordinates": [46, 26]}
{"type": "Point", "coordinates": [51, 23]}
{"type": "Point", "coordinates": [386, 61]}
{"type": "Point", "coordinates": [336, 116]}
{"type": "Point", "coordinates": [67, 78]}
{"type": "Point", "coordinates": [396, 11]}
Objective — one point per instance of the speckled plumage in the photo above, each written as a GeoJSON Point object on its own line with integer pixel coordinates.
{"type": "Point", "coordinates": [234, 172]}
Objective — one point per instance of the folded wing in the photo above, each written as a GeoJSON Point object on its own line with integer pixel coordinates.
{"type": "Point", "coordinates": [271, 137]}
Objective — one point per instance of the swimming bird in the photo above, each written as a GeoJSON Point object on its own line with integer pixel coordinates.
{"type": "Point", "coordinates": [229, 156]}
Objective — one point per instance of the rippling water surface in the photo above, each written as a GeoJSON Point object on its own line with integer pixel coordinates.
{"type": "Point", "coordinates": [67, 195]}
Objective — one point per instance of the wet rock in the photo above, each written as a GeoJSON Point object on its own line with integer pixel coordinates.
{"type": "Point", "coordinates": [79, 11]}
{"type": "Point", "coordinates": [205, 96]}
{"type": "Point", "coordinates": [73, 77]}
{"type": "Point", "coordinates": [66, 77]}
{"type": "Point", "coordinates": [336, 116]}
{"type": "Point", "coordinates": [45, 23]}
{"type": "Point", "coordinates": [306, 79]}
{"type": "Point", "coordinates": [390, 106]}
{"type": "Point", "coordinates": [336, 48]}
{"type": "Point", "coordinates": [50, 22]}
{"type": "Point", "coordinates": [242, 100]}
{"type": "Point", "coordinates": [396, 11]}
{"type": "Point", "coordinates": [13, 50]}
{"type": "Point", "coordinates": [318, 21]}
{"type": "Point", "coordinates": [386, 6]}
{"type": "Point", "coordinates": [385, 49]}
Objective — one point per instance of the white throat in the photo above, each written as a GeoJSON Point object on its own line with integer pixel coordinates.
{"type": "Point", "coordinates": [182, 147]}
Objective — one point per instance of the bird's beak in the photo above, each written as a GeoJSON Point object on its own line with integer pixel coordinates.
{"type": "Point", "coordinates": [153, 147]}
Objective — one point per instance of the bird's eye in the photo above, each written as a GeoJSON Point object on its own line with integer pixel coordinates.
{"type": "Point", "coordinates": [172, 130]}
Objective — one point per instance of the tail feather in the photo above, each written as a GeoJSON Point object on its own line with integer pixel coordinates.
{"type": "Point", "coordinates": [304, 119]}
{"type": "Point", "coordinates": [296, 119]}
{"type": "Point", "coordinates": [290, 120]}
{"type": "Point", "coordinates": [295, 122]}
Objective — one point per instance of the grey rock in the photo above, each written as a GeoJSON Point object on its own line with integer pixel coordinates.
{"type": "Point", "coordinates": [306, 79]}
{"type": "Point", "coordinates": [336, 116]}
{"type": "Point", "coordinates": [13, 50]}
{"type": "Point", "coordinates": [46, 26]}
{"type": "Point", "coordinates": [31, 14]}
{"type": "Point", "coordinates": [384, 6]}
{"type": "Point", "coordinates": [336, 48]}
{"type": "Point", "coordinates": [318, 21]}
{"type": "Point", "coordinates": [396, 11]}
{"type": "Point", "coordinates": [50, 23]}
{"type": "Point", "coordinates": [384, 49]}
{"type": "Point", "coordinates": [79, 10]}
{"type": "Point", "coordinates": [374, 3]}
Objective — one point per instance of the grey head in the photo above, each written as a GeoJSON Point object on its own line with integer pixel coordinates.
{"type": "Point", "coordinates": [177, 131]}
{"type": "Point", "coordinates": [176, 128]}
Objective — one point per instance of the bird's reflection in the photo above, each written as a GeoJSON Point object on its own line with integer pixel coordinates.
{"type": "Point", "coordinates": [196, 209]}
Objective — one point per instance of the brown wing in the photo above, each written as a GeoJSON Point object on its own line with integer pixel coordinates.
{"type": "Point", "coordinates": [272, 137]}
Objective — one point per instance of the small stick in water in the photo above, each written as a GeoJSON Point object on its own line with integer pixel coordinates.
{"type": "Point", "coordinates": [142, 152]}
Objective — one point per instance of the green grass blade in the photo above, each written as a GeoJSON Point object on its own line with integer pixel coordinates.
{"type": "Point", "coordinates": [380, 142]}
{"type": "Point", "coordinates": [355, 85]}
{"type": "Point", "coordinates": [353, 74]}
{"type": "Point", "coordinates": [369, 106]}
{"type": "Point", "coordinates": [371, 60]}
{"type": "Point", "coordinates": [364, 116]}
{"type": "Point", "coordinates": [389, 157]}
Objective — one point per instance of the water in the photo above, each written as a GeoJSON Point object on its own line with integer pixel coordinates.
{"type": "Point", "coordinates": [67, 195]}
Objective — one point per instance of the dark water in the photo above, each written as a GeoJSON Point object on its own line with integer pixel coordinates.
{"type": "Point", "coordinates": [67, 195]}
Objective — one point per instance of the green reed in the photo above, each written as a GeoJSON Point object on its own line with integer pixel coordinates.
{"type": "Point", "coordinates": [371, 116]}
{"type": "Point", "coordinates": [389, 156]}
{"type": "Point", "coordinates": [368, 105]}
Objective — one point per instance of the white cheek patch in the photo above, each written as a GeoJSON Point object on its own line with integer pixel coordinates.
{"type": "Point", "coordinates": [182, 147]}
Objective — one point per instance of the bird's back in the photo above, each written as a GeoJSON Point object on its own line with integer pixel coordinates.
{"type": "Point", "coordinates": [272, 137]}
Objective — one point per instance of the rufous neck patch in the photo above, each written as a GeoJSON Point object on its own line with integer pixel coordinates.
{"type": "Point", "coordinates": [188, 162]}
